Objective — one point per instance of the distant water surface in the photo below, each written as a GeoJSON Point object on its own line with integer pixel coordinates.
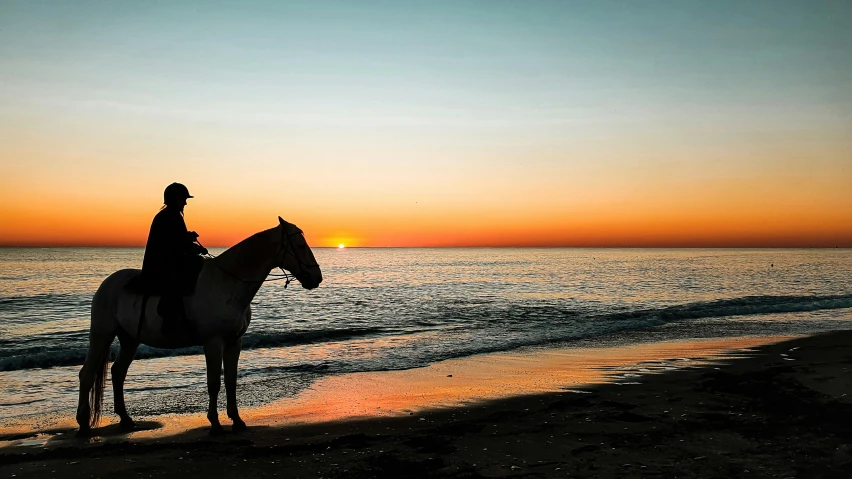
{"type": "Point", "coordinates": [380, 309]}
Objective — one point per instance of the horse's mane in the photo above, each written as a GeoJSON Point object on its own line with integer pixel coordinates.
{"type": "Point", "coordinates": [253, 250]}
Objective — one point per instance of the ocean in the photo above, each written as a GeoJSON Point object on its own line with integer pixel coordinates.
{"type": "Point", "coordinates": [398, 308]}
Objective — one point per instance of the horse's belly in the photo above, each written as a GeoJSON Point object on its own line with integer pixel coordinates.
{"type": "Point", "coordinates": [222, 323]}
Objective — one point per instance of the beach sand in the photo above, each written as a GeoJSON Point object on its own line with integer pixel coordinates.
{"type": "Point", "coordinates": [777, 410]}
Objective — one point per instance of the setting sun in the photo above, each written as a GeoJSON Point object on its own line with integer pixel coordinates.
{"type": "Point", "coordinates": [340, 246]}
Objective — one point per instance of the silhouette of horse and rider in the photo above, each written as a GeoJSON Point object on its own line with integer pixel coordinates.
{"type": "Point", "coordinates": [182, 299]}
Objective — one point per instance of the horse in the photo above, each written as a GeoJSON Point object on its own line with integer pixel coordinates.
{"type": "Point", "coordinates": [218, 314]}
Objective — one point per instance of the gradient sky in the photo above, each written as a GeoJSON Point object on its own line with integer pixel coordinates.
{"type": "Point", "coordinates": [540, 123]}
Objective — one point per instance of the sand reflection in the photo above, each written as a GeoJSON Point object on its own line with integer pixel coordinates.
{"type": "Point", "coordinates": [465, 381]}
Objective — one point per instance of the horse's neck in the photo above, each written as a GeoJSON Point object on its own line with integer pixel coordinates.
{"type": "Point", "coordinates": [249, 262]}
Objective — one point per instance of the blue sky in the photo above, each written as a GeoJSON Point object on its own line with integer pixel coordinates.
{"type": "Point", "coordinates": [574, 104]}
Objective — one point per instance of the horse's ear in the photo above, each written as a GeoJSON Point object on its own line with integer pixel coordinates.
{"type": "Point", "coordinates": [281, 220]}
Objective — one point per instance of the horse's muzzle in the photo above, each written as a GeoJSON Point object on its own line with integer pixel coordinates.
{"type": "Point", "coordinates": [311, 278]}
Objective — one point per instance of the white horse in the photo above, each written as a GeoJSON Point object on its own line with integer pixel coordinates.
{"type": "Point", "coordinates": [218, 313]}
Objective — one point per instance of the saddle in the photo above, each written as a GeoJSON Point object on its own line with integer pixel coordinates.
{"type": "Point", "coordinates": [137, 285]}
{"type": "Point", "coordinates": [170, 306]}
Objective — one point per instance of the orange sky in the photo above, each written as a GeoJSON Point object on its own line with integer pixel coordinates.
{"type": "Point", "coordinates": [82, 188]}
{"type": "Point", "coordinates": [807, 209]}
{"type": "Point", "coordinates": [440, 124]}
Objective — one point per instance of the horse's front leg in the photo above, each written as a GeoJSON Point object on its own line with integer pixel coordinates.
{"type": "Point", "coordinates": [213, 350]}
{"type": "Point", "coordinates": [232, 357]}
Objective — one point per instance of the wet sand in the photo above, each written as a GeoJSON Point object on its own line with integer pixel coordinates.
{"type": "Point", "coordinates": [781, 410]}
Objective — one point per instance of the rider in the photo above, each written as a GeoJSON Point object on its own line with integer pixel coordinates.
{"type": "Point", "coordinates": [172, 259]}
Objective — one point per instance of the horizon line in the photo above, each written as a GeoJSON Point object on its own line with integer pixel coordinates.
{"type": "Point", "coordinates": [48, 246]}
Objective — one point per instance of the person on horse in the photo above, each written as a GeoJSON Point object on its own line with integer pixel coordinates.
{"type": "Point", "coordinates": [172, 259]}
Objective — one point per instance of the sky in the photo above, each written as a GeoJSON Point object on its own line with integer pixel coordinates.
{"type": "Point", "coordinates": [439, 123]}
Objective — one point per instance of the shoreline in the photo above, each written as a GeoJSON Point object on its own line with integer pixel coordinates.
{"type": "Point", "coordinates": [450, 383]}
{"type": "Point", "coordinates": [779, 411]}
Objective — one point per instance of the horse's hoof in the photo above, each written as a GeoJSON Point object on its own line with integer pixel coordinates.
{"type": "Point", "coordinates": [84, 432]}
{"type": "Point", "coordinates": [216, 430]}
{"type": "Point", "coordinates": [239, 426]}
{"type": "Point", "coordinates": [127, 424]}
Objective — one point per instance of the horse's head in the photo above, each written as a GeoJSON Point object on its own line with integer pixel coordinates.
{"type": "Point", "coordinates": [296, 256]}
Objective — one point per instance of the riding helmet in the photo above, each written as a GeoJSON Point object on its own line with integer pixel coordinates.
{"type": "Point", "coordinates": [175, 192]}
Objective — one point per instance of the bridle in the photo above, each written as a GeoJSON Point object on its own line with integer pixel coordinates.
{"type": "Point", "coordinates": [287, 249]}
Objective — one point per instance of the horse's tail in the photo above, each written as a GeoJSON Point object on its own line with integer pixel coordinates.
{"type": "Point", "coordinates": [96, 395]}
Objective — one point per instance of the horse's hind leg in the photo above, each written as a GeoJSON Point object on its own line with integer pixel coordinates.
{"type": "Point", "coordinates": [213, 351]}
{"type": "Point", "coordinates": [92, 381]}
{"type": "Point", "coordinates": [119, 372]}
{"type": "Point", "coordinates": [231, 358]}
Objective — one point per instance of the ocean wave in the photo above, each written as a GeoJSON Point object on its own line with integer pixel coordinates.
{"type": "Point", "coordinates": [43, 308]}
{"type": "Point", "coordinates": [505, 327]}
{"type": "Point", "coordinates": [747, 305]}
{"type": "Point", "coordinates": [42, 299]}
{"type": "Point", "coordinates": [21, 403]}
{"type": "Point", "coordinates": [35, 358]}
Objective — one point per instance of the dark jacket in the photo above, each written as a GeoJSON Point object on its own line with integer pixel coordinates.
{"type": "Point", "coordinates": [171, 262]}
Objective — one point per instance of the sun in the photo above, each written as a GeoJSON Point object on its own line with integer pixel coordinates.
{"type": "Point", "coordinates": [340, 246]}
